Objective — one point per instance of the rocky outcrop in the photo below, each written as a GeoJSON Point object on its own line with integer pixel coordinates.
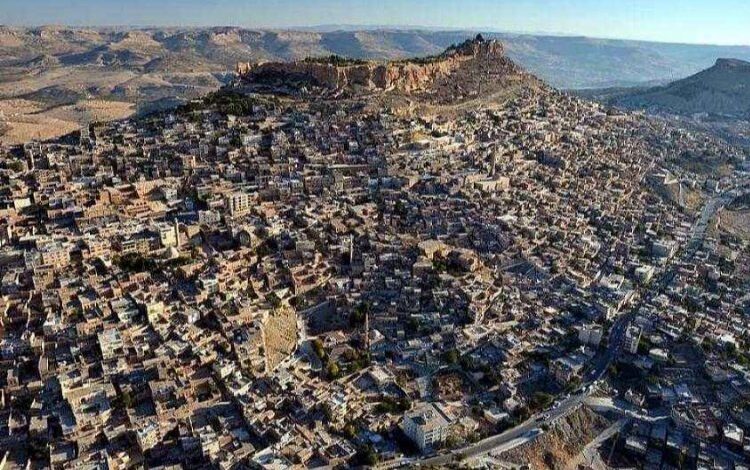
{"type": "Point", "coordinates": [558, 447]}
{"type": "Point", "coordinates": [406, 75]}
{"type": "Point", "coordinates": [722, 91]}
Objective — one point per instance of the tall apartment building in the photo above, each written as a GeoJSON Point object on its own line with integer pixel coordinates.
{"type": "Point", "coordinates": [238, 203]}
{"type": "Point", "coordinates": [426, 425]}
{"type": "Point", "coordinates": [632, 339]}
{"type": "Point", "coordinates": [590, 335]}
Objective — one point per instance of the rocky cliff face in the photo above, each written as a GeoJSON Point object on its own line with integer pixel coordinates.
{"type": "Point", "coordinates": [560, 447]}
{"type": "Point", "coordinates": [403, 75]}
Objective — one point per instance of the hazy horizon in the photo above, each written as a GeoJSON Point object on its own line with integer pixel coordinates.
{"type": "Point", "coordinates": [328, 28]}
{"type": "Point", "coordinates": [723, 22]}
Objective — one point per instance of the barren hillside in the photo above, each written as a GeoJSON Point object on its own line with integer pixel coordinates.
{"type": "Point", "coordinates": [559, 446]}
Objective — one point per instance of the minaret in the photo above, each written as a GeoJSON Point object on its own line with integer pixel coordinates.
{"type": "Point", "coordinates": [177, 232]}
{"type": "Point", "coordinates": [351, 249]}
{"type": "Point", "coordinates": [367, 331]}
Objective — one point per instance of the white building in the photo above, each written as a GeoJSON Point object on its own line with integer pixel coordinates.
{"type": "Point", "coordinates": [168, 234]}
{"type": "Point", "coordinates": [568, 368]}
{"type": "Point", "coordinates": [426, 425]}
{"type": "Point", "coordinates": [643, 274]}
{"type": "Point", "coordinates": [733, 434]}
{"type": "Point", "coordinates": [632, 339]}
{"type": "Point", "coordinates": [590, 335]}
{"type": "Point", "coordinates": [208, 217]}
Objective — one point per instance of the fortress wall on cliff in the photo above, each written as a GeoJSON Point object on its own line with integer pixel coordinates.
{"type": "Point", "coordinates": [401, 75]}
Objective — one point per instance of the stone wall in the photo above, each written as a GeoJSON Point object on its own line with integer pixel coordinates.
{"type": "Point", "coordinates": [401, 75]}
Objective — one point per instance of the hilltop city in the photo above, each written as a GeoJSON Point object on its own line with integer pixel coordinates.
{"type": "Point", "coordinates": [439, 262]}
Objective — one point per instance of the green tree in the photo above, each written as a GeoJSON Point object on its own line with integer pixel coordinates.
{"type": "Point", "coordinates": [366, 455]}
{"type": "Point", "coordinates": [333, 371]}
{"type": "Point", "coordinates": [317, 346]}
{"type": "Point", "coordinates": [541, 400]}
{"type": "Point", "coordinates": [451, 356]}
{"type": "Point", "coordinates": [127, 399]}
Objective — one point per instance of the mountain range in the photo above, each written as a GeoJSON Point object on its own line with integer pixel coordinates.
{"type": "Point", "coordinates": [563, 61]}
{"type": "Point", "coordinates": [719, 92]}
{"type": "Point", "coordinates": [67, 76]}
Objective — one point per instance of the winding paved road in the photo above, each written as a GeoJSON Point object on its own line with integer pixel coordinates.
{"type": "Point", "coordinates": [530, 429]}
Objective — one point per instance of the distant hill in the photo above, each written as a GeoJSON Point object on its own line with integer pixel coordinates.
{"type": "Point", "coordinates": [719, 91]}
{"type": "Point", "coordinates": [562, 61]}
{"type": "Point", "coordinates": [52, 66]}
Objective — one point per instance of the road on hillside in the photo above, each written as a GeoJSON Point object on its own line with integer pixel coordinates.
{"type": "Point", "coordinates": [531, 428]}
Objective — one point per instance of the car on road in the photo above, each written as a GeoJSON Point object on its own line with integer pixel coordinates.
{"type": "Point", "coordinates": [533, 433]}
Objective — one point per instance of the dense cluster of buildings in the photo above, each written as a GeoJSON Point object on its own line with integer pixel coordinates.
{"type": "Point", "coordinates": [308, 283]}
{"type": "Point", "coordinates": [686, 357]}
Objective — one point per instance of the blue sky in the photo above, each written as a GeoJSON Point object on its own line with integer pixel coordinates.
{"type": "Point", "coordinates": [693, 21]}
